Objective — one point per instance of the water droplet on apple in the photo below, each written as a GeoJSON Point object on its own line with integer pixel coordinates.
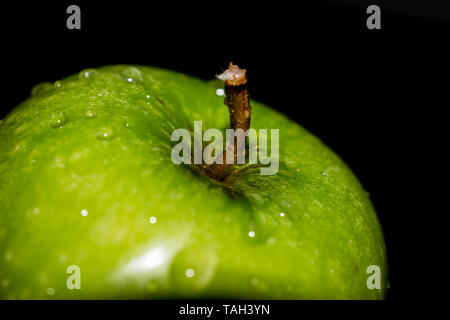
{"type": "Point", "coordinates": [84, 212]}
{"type": "Point", "coordinates": [105, 134]}
{"type": "Point", "coordinates": [58, 120]}
{"type": "Point", "coordinates": [57, 84]}
{"type": "Point", "coordinates": [152, 220]}
{"type": "Point", "coordinates": [87, 73]}
{"type": "Point", "coordinates": [220, 92]}
{"type": "Point", "coordinates": [260, 228]}
{"type": "Point", "coordinates": [254, 281]}
{"type": "Point", "coordinates": [90, 114]}
{"type": "Point", "coordinates": [324, 173]}
{"type": "Point", "coordinates": [190, 273]}
{"type": "Point", "coordinates": [50, 291]}
{"type": "Point", "coordinates": [41, 88]}
{"type": "Point", "coordinates": [193, 268]}
{"type": "Point", "coordinates": [132, 75]}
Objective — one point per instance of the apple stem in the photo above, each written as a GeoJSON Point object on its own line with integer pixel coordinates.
{"type": "Point", "coordinates": [236, 97]}
{"type": "Point", "coordinates": [238, 102]}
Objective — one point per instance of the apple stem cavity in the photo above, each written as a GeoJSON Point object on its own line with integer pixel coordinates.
{"type": "Point", "coordinates": [238, 102]}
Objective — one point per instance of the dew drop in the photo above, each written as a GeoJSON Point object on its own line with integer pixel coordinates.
{"type": "Point", "coordinates": [87, 73]}
{"type": "Point", "coordinates": [254, 281]}
{"type": "Point", "coordinates": [193, 268]}
{"type": "Point", "coordinates": [90, 114]}
{"type": "Point", "coordinates": [189, 273]}
{"type": "Point", "coordinates": [282, 214]}
{"type": "Point", "coordinates": [132, 75]}
{"type": "Point", "coordinates": [41, 88]}
{"type": "Point", "coordinates": [50, 291]}
{"type": "Point", "coordinates": [152, 220]}
{"type": "Point", "coordinates": [57, 84]}
{"type": "Point", "coordinates": [84, 212]}
{"type": "Point", "coordinates": [260, 227]}
{"type": "Point", "coordinates": [324, 173]}
{"type": "Point", "coordinates": [105, 134]}
{"type": "Point", "coordinates": [58, 120]}
{"type": "Point", "coordinates": [220, 92]}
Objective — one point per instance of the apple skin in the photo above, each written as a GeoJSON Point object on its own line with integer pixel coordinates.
{"type": "Point", "coordinates": [100, 142]}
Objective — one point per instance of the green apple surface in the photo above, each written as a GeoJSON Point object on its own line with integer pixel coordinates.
{"type": "Point", "coordinates": [87, 180]}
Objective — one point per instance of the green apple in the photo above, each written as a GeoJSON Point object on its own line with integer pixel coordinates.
{"type": "Point", "coordinates": [91, 205]}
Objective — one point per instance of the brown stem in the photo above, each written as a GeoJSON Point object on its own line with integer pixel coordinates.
{"type": "Point", "coordinates": [238, 102]}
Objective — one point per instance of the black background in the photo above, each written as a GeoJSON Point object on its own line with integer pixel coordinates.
{"type": "Point", "coordinates": [369, 94]}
